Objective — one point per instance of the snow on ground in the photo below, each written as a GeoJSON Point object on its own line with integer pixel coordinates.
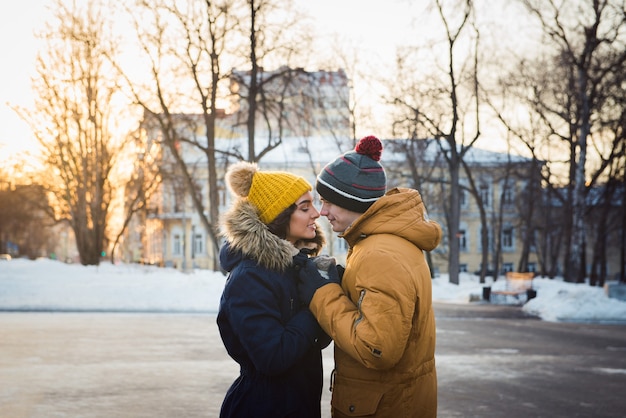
{"type": "Point", "coordinates": [556, 301]}
{"type": "Point", "coordinates": [52, 285]}
{"type": "Point", "coordinates": [48, 285]}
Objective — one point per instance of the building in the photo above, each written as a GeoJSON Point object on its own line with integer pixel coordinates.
{"type": "Point", "coordinates": [293, 102]}
{"type": "Point", "coordinates": [492, 199]}
{"type": "Point", "coordinates": [173, 234]}
{"type": "Point", "coordinates": [302, 124]}
{"type": "Point", "coordinates": [506, 201]}
{"type": "Point", "coordinates": [170, 230]}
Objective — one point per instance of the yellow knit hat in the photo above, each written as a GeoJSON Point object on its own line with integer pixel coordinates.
{"type": "Point", "coordinates": [270, 191]}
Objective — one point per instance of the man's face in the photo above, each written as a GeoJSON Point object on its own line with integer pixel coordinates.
{"type": "Point", "coordinates": [339, 218]}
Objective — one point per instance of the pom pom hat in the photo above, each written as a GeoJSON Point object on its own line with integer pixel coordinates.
{"type": "Point", "coordinates": [271, 192]}
{"type": "Point", "coordinates": [355, 180]}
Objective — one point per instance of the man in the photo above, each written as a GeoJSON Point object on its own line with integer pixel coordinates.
{"type": "Point", "coordinates": [380, 317]}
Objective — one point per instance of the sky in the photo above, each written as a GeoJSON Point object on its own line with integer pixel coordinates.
{"type": "Point", "coordinates": [18, 47]}
{"type": "Point", "coordinates": [359, 23]}
{"type": "Point", "coordinates": [18, 50]}
{"type": "Point", "coordinates": [49, 285]}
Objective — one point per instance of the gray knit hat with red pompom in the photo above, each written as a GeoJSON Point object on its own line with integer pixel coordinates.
{"type": "Point", "coordinates": [355, 180]}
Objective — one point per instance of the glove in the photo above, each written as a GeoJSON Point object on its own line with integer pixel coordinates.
{"type": "Point", "coordinates": [300, 259]}
{"type": "Point", "coordinates": [327, 266]}
{"type": "Point", "coordinates": [324, 263]}
{"type": "Point", "coordinates": [310, 279]}
{"type": "Point", "coordinates": [340, 270]}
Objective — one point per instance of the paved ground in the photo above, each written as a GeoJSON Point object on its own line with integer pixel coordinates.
{"type": "Point", "coordinates": [492, 362]}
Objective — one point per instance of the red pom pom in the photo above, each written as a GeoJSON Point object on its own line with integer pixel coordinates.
{"type": "Point", "coordinates": [370, 146]}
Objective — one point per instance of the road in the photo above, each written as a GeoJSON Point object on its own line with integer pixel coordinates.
{"type": "Point", "coordinates": [492, 361]}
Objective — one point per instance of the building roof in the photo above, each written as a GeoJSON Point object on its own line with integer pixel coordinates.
{"type": "Point", "coordinates": [320, 150]}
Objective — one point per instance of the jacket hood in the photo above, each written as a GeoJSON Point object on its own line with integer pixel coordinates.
{"type": "Point", "coordinates": [246, 234]}
{"type": "Point", "coordinates": [400, 212]}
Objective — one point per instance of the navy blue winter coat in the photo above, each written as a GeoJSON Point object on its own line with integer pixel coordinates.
{"type": "Point", "coordinates": [276, 341]}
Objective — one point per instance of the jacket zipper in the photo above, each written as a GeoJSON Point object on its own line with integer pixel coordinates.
{"type": "Point", "coordinates": [358, 305]}
{"type": "Point", "coordinates": [375, 352]}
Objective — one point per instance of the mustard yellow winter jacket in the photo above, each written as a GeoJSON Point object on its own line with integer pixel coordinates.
{"type": "Point", "coordinates": [381, 319]}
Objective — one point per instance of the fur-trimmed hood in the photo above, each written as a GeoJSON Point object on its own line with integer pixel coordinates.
{"type": "Point", "coordinates": [246, 234]}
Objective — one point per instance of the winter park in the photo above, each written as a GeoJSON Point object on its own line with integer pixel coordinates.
{"type": "Point", "coordinates": [141, 341]}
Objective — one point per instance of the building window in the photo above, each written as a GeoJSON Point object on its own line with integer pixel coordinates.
{"type": "Point", "coordinates": [179, 200]}
{"type": "Point", "coordinates": [488, 270]}
{"type": "Point", "coordinates": [485, 192]}
{"type": "Point", "coordinates": [508, 242]}
{"type": "Point", "coordinates": [463, 198]}
{"type": "Point", "coordinates": [506, 267]}
{"type": "Point", "coordinates": [508, 193]}
{"type": "Point", "coordinates": [198, 244]}
{"type": "Point", "coordinates": [342, 245]}
{"type": "Point", "coordinates": [533, 242]}
{"type": "Point", "coordinates": [532, 267]}
{"type": "Point", "coordinates": [462, 240]}
{"type": "Point", "coordinates": [462, 268]}
{"type": "Point", "coordinates": [480, 238]}
{"type": "Point", "coordinates": [177, 245]}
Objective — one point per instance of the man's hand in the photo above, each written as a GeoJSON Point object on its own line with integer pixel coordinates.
{"type": "Point", "coordinates": [310, 279]}
{"type": "Point", "coordinates": [340, 270]}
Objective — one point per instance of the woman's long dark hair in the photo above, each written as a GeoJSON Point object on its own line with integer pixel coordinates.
{"type": "Point", "coordinates": [280, 225]}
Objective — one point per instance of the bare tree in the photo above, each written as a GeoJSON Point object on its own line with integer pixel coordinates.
{"type": "Point", "coordinates": [423, 168]}
{"type": "Point", "coordinates": [605, 217]}
{"type": "Point", "coordinates": [185, 43]}
{"type": "Point", "coordinates": [25, 219]}
{"type": "Point", "coordinates": [73, 121]}
{"type": "Point", "coordinates": [538, 216]}
{"type": "Point", "coordinates": [275, 35]}
{"type": "Point", "coordinates": [484, 231]}
{"type": "Point", "coordinates": [570, 87]}
{"type": "Point", "coordinates": [144, 181]}
{"type": "Point", "coordinates": [444, 110]}
{"type": "Point", "coordinates": [359, 116]}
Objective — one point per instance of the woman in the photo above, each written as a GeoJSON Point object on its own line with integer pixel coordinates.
{"type": "Point", "coordinates": [264, 326]}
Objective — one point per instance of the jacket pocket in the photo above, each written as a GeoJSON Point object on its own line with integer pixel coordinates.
{"type": "Point", "coordinates": [355, 398]}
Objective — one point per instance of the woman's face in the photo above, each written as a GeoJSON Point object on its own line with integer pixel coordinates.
{"type": "Point", "coordinates": [302, 221]}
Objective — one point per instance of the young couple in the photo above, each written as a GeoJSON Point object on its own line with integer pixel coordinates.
{"type": "Point", "coordinates": [279, 307]}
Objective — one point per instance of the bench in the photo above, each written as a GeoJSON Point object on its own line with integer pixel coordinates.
{"type": "Point", "coordinates": [518, 286]}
